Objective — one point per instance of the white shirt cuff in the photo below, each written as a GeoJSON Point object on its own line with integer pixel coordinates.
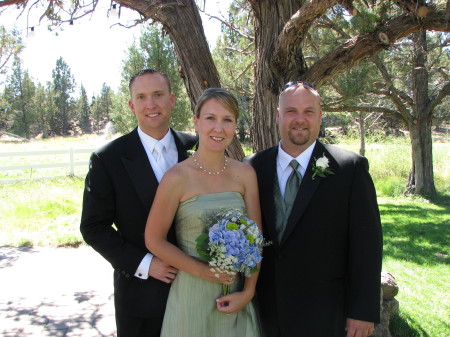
{"type": "Point", "coordinates": [144, 267]}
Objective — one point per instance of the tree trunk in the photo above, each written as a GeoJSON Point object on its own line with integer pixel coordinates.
{"type": "Point", "coordinates": [181, 20]}
{"type": "Point", "coordinates": [362, 134]}
{"type": "Point", "coordinates": [421, 179]}
{"type": "Point", "coordinates": [270, 18]}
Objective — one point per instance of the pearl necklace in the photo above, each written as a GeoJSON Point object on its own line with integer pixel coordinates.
{"type": "Point", "coordinates": [205, 170]}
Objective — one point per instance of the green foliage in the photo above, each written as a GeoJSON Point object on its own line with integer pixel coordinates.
{"type": "Point", "coordinates": [102, 108]}
{"type": "Point", "coordinates": [44, 105]}
{"type": "Point", "coordinates": [365, 21]}
{"type": "Point", "coordinates": [19, 94]}
{"type": "Point", "coordinates": [84, 111]}
{"type": "Point", "coordinates": [10, 47]}
{"type": "Point", "coordinates": [154, 50]}
{"type": "Point", "coordinates": [124, 120]}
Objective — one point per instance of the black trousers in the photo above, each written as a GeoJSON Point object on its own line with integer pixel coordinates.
{"type": "Point", "coordinates": [131, 326]}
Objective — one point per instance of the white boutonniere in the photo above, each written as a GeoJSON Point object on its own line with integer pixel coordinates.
{"type": "Point", "coordinates": [321, 168]}
{"type": "Point", "coordinates": [191, 151]}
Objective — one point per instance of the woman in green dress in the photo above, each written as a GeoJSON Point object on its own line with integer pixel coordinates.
{"type": "Point", "coordinates": [188, 195]}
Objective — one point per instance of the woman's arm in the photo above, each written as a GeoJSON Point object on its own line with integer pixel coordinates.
{"type": "Point", "coordinates": [158, 224]}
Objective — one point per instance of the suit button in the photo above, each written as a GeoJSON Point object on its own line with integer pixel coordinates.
{"type": "Point", "coordinates": [123, 272]}
{"type": "Point", "coordinates": [127, 276]}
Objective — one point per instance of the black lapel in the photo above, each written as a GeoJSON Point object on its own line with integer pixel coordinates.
{"type": "Point", "coordinates": [138, 166]}
{"type": "Point", "coordinates": [267, 177]}
{"type": "Point", "coordinates": [182, 142]}
{"type": "Point", "coordinates": [307, 189]}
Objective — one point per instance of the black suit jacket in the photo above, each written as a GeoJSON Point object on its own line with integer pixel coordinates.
{"type": "Point", "coordinates": [120, 188]}
{"type": "Point", "coordinates": [328, 264]}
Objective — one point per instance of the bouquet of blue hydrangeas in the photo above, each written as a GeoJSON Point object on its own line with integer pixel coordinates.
{"type": "Point", "coordinates": [232, 245]}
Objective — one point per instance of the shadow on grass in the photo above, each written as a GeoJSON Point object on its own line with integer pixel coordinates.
{"type": "Point", "coordinates": [441, 200]}
{"type": "Point", "coordinates": [404, 326]}
{"type": "Point", "coordinates": [416, 233]}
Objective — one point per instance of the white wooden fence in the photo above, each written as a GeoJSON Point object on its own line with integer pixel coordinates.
{"type": "Point", "coordinates": [70, 163]}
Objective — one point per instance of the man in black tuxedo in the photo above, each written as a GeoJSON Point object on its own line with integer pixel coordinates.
{"type": "Point", "coordinates": [120, 187]}
{"type": "Point", "coordinates": [321, 275]}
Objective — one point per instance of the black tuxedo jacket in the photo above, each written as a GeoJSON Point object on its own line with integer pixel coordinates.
{"type": "Point", "coordinates": [328, 264]}
{"type": "Point", "coordinates": [120, 188]}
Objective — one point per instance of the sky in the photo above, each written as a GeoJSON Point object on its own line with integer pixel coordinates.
{"type": "Point", "coordinates": [93, 47]}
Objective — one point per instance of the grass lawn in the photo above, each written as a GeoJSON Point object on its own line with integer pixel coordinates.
{"type": "Point", "coordinates": [416, 231]}
{"type": "Point", "coordinates": [416, 251]}
{"type": "Point", "coordinates": [41, 212]}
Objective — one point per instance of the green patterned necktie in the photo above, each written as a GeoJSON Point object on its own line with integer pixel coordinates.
{"type": "Point", "coordinates": [292, 186]}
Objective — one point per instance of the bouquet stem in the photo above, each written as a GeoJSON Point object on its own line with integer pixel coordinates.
{"type": "Point", "coordinates": [226, 289]}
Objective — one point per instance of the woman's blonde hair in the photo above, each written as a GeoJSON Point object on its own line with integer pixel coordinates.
{"type": "Point", "coordinates": [225, 98]}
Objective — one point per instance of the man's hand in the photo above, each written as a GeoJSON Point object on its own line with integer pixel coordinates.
{"type": "Point", "coordinates": [357, 328]}
{"type": "Point", "coordinates": [162, 271]}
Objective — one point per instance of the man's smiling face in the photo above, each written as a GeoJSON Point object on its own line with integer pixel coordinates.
{"type": "Point", "coordinates": [299, 117]}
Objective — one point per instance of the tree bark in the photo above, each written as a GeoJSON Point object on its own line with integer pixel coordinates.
{"type": "Point", "coordinates": [268, 81]}
{"type": "Point", "coordinates": [362, 134]}
{"type": "Point", "coordinates": [421, 179]}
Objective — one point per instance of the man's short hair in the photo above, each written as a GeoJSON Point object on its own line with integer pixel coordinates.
{"type": "Point", "coordinates": [150, 71]}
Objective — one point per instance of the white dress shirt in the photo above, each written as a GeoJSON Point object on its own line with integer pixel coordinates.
{"type": "Point", "coordinates": [284, 169]}
{"type": "Point", "coordinates": [171, 157]}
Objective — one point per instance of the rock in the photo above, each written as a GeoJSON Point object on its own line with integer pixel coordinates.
{"type": "Point", "coordinates": [381, 331]}
{"type": "Point", "coordinates": [389, 305]}
{"type": "Point", "coordinates": [388, 286]}
{"type": "Point", "coordinates": [389, 309]}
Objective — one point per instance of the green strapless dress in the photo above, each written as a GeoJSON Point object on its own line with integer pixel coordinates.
{"type": "Point", "coordinates": [191, 308]}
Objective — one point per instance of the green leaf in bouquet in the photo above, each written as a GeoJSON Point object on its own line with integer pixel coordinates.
{"type": "Point", "coordinates": [202, 246]}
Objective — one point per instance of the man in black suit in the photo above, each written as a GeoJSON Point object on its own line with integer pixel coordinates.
{"type": "Point", "coordinates": [120, 187]}
{"type": "Point", "coordinates": [321, 275]}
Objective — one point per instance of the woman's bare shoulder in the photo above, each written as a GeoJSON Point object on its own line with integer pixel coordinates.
{"type": "Point", "coordinates": [177, 174]}
{"type": "Point", "coordinates": [243, 167]}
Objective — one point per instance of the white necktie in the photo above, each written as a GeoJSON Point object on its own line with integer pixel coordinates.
{"type": "Point", "coordinates": [158, 153]}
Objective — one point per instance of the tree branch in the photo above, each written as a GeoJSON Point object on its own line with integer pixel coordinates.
{"type": "Point", "coordinates": [326, 22]}
{"type": "Point", "coordinates": [344, 108]}
{"type": "Point", "coordinates": [363, 46]}
{"type": "Point", "coordinates": [6, 60]}
{"type": "Point", "coordinates": [444, 72]}
{"type": "Point", "coordinates": [234, 29]}
{"type": "Point", "coordinates": [444, 92]}
{"type": "Point", "coordinates": [396, 95]}
{"type": "Point", "coordinates": [295, 30]}
{"type": "Point", "coordinates": [251, 64]}
{"type": "Point", "coordinates": [12, 2]}
{"type": "Point", "coordinates": [244, 51]}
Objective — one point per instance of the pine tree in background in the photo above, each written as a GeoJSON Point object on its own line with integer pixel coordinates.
{"type": "Point", "coordinates": [19, 94]}
{"type": "Point", "coordinates": [84, 112]}
{"type": "Point", "coordinates": [63, 87]}
{"type": "Point", "coordinates": [44, 105]}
